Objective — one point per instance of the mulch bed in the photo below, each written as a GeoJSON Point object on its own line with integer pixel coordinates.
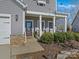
{"type": "Point", "coordinates": [52, 50]}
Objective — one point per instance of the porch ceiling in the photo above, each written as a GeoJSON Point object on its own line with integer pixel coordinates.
{"type": "Point", "coordinates": [37, 14]}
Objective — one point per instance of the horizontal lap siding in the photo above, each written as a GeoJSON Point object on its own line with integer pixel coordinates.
{"type": "Point", "coordinates": [9, 7]}
{"type": "Point", "coordinates": [48, 8]}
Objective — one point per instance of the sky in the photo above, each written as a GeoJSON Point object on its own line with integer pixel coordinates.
{"type": "Point", "coordinates": [68, 6]}
{"type": "Point", "coordinates": [68, 1]}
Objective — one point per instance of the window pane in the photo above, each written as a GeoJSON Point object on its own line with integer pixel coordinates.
{"type": "Point", "coordinates": [50, 25]}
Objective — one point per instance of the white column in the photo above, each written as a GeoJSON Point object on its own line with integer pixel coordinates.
{"type": "Point", "coordinates": [24, 29]}
{"type": "Point", "coordinates": [23, 22]}
{"type": "Point", "coordinates": [54, 23]}
{"type": "Point", "coordinates": [66, 24]}
{"type": "Point", "coordinates": [40, 23]}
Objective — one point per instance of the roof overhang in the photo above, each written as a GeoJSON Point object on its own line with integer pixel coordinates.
{"type": "Point", "coordinates": [62, 13]}
{"type": "Point", "coordinates": [22, 4]}
{"type": "Point", "coordinates": [46, 14]}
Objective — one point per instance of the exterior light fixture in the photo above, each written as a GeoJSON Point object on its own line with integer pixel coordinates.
{"type": "Point", "coordinates": [16, 17]}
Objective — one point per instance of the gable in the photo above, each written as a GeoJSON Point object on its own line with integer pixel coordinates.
{"type": "Point", "coordinates": [21, 2]}
{"type": "Point", "coordinates": [76, 18]}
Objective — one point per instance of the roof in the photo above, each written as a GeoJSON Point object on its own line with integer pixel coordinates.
{"type": "Point", "coordinates": [62, 13]}
{"type": "Point", "coordinates": [75, 18]}
{"type": "Point", "coordinates": [22, 4]}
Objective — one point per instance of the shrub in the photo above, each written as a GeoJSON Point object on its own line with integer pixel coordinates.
{"type": "Point", "coordinates": [59, 37]}
{"type": "Point", "coordinates": [35, 33]}
{"type": "Point", "coordinates": [76, 35]}
{"type": "Point", "coordinates": [47, 38]}
{"type": "Point", "coordinates": [70, 36]}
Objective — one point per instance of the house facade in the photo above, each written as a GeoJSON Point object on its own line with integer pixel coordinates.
{"type": "Point", "coordinates": [41, 16]}
{"type": "Point", "coordinates": [75, 23]}
{"type": "Point", "coordinates": [24, 17]}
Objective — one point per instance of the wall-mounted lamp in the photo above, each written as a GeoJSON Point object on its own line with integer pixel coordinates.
{"type": "Point", "coordinates": [16, 17]}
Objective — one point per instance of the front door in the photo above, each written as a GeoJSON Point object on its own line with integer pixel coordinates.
{"type": "Point", "coordinates": [28, 25]}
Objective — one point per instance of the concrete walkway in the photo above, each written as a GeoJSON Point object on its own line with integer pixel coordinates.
{"type": "Point", "coordinates": [5, 51]}
{"type": "Point", "coordinates": [31, 46]}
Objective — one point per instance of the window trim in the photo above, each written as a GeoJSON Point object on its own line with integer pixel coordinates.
{"type": "Point", "coordinates": [41, 3]}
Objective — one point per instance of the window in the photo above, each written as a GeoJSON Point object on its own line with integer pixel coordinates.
{"type": "Point", "coordinates": [41, 3]}
{"type": "Point", "coordinates": [47, 1]}
{"type": "Point", "coordinates": [43, 25]}
{"type": "Point", "coordinates": [50, 24]}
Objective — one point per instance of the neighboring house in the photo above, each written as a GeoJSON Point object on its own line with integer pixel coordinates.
{"type": "Point", "coordinates": [75, 23]}
{"type": "Point", "coordinates": [20, 17]}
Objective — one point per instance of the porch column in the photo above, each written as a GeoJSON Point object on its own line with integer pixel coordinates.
{"type": "Point", "coordinates": [40, 25]}
{"type": "Point", "coordinates": [24, 22]}
{"type": "Point", "coordinates": [66, 24]}
{"type": "Point", "coordinates": [54, 23]}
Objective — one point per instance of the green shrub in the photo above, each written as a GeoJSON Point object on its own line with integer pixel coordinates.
{"type": "Point", "coordinates": [47, 38]}
{"type": "Point", "coordinates": [59, 37]}
{"type": "Point", "coordinates": [35, 34]}
{"type": "Point", "coordinates": [70, 36]}
{"type": "Point", "coordinates": [76, 35]}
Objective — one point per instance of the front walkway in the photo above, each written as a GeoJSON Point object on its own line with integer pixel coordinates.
{"type": "Point", "coordinates": [31, 46]}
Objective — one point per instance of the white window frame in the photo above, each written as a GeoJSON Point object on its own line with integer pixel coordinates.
{"type": "Point", "coordinates": [41, 2]}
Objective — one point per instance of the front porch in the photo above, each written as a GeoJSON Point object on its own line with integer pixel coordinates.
{"type": "Point", "coordinates": [43, 22]}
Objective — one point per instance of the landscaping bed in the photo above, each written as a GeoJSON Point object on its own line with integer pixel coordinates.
{"type": "Point", "coordinates": [57, 42]}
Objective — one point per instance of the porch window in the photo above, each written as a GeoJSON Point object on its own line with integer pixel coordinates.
{"type": "Point", "coordinates": [43, 25]}
{"type": "Point", "coordinates": [50, 24]}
